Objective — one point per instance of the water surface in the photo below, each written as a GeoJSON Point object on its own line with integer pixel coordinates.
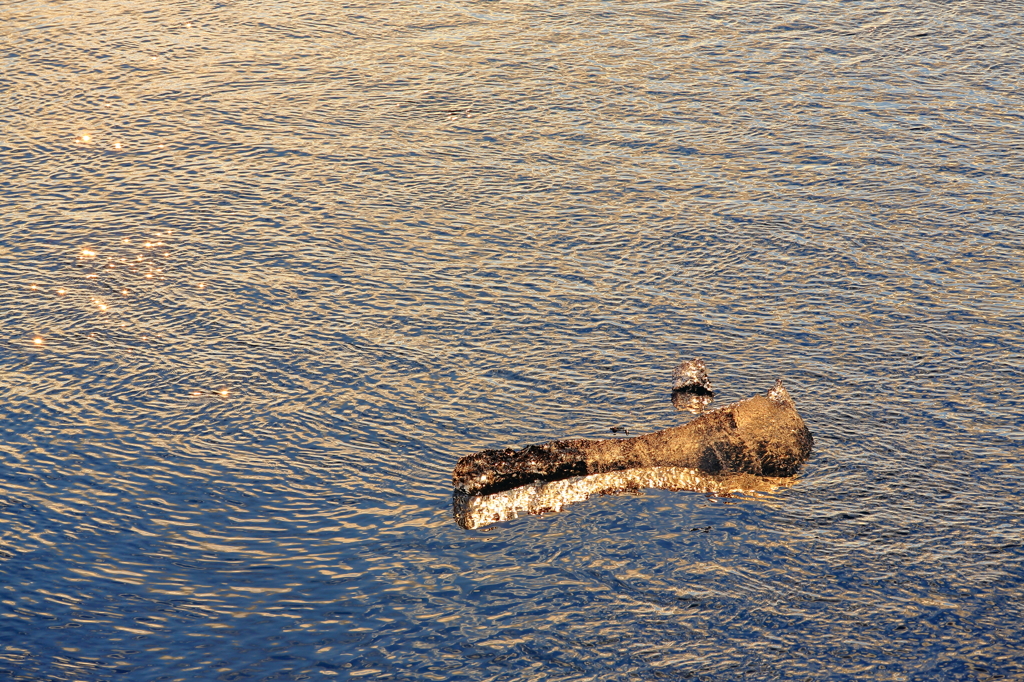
{"type": "Point", "coordinates": [270, 269]}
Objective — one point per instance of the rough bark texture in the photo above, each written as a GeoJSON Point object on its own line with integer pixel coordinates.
{"type": "Point", "coordinates": [762, 435]}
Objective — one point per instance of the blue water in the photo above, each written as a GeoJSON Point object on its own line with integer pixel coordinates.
{"type": "Point", "coordinates": [271, 269]}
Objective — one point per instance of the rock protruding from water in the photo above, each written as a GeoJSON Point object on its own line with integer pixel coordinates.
{"type": "Point", "coordinates": [691, 387]}
{"type": "Point", "coordinates": [762, 436]}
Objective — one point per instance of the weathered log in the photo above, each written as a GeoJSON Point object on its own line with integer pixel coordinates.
{"type": "Point", "coordinates": [763, 436]}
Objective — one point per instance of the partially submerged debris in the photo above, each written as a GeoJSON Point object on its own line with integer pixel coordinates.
{"type": "Point", "coordinates": [762, 435]}
{"type": "Point", "coordinates": [754, 444]}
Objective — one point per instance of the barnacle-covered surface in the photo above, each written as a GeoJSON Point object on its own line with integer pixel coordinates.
{"type": "Point", "coordinates": [475, 511]}
{"type": "Point", "coordinates": [691, 387]}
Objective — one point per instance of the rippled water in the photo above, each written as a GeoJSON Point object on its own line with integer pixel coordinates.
{"type": "Point", "coordinates": [271, 269]}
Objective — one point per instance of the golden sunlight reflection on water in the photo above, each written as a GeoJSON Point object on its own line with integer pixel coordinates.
{"type": "Point", "coordinates": [273, 268]}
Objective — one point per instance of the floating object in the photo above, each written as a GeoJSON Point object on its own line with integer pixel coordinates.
{"type": "Point", "coordinates": [762, 436]}
{"type": "Point", "coordinates": [691, 387]}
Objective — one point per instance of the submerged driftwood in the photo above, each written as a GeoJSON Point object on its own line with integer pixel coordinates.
{"type": "Point", "coordinates": [760, 436]}
{"type": "Point", "coordinates": [474, 511]}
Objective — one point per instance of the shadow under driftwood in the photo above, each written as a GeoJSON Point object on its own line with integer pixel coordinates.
{"type": "Point", "coordinates": [757, 444]}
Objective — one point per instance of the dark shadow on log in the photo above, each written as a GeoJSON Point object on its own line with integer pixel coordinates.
{"type": "Point", "coordinates": [760, 436]}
